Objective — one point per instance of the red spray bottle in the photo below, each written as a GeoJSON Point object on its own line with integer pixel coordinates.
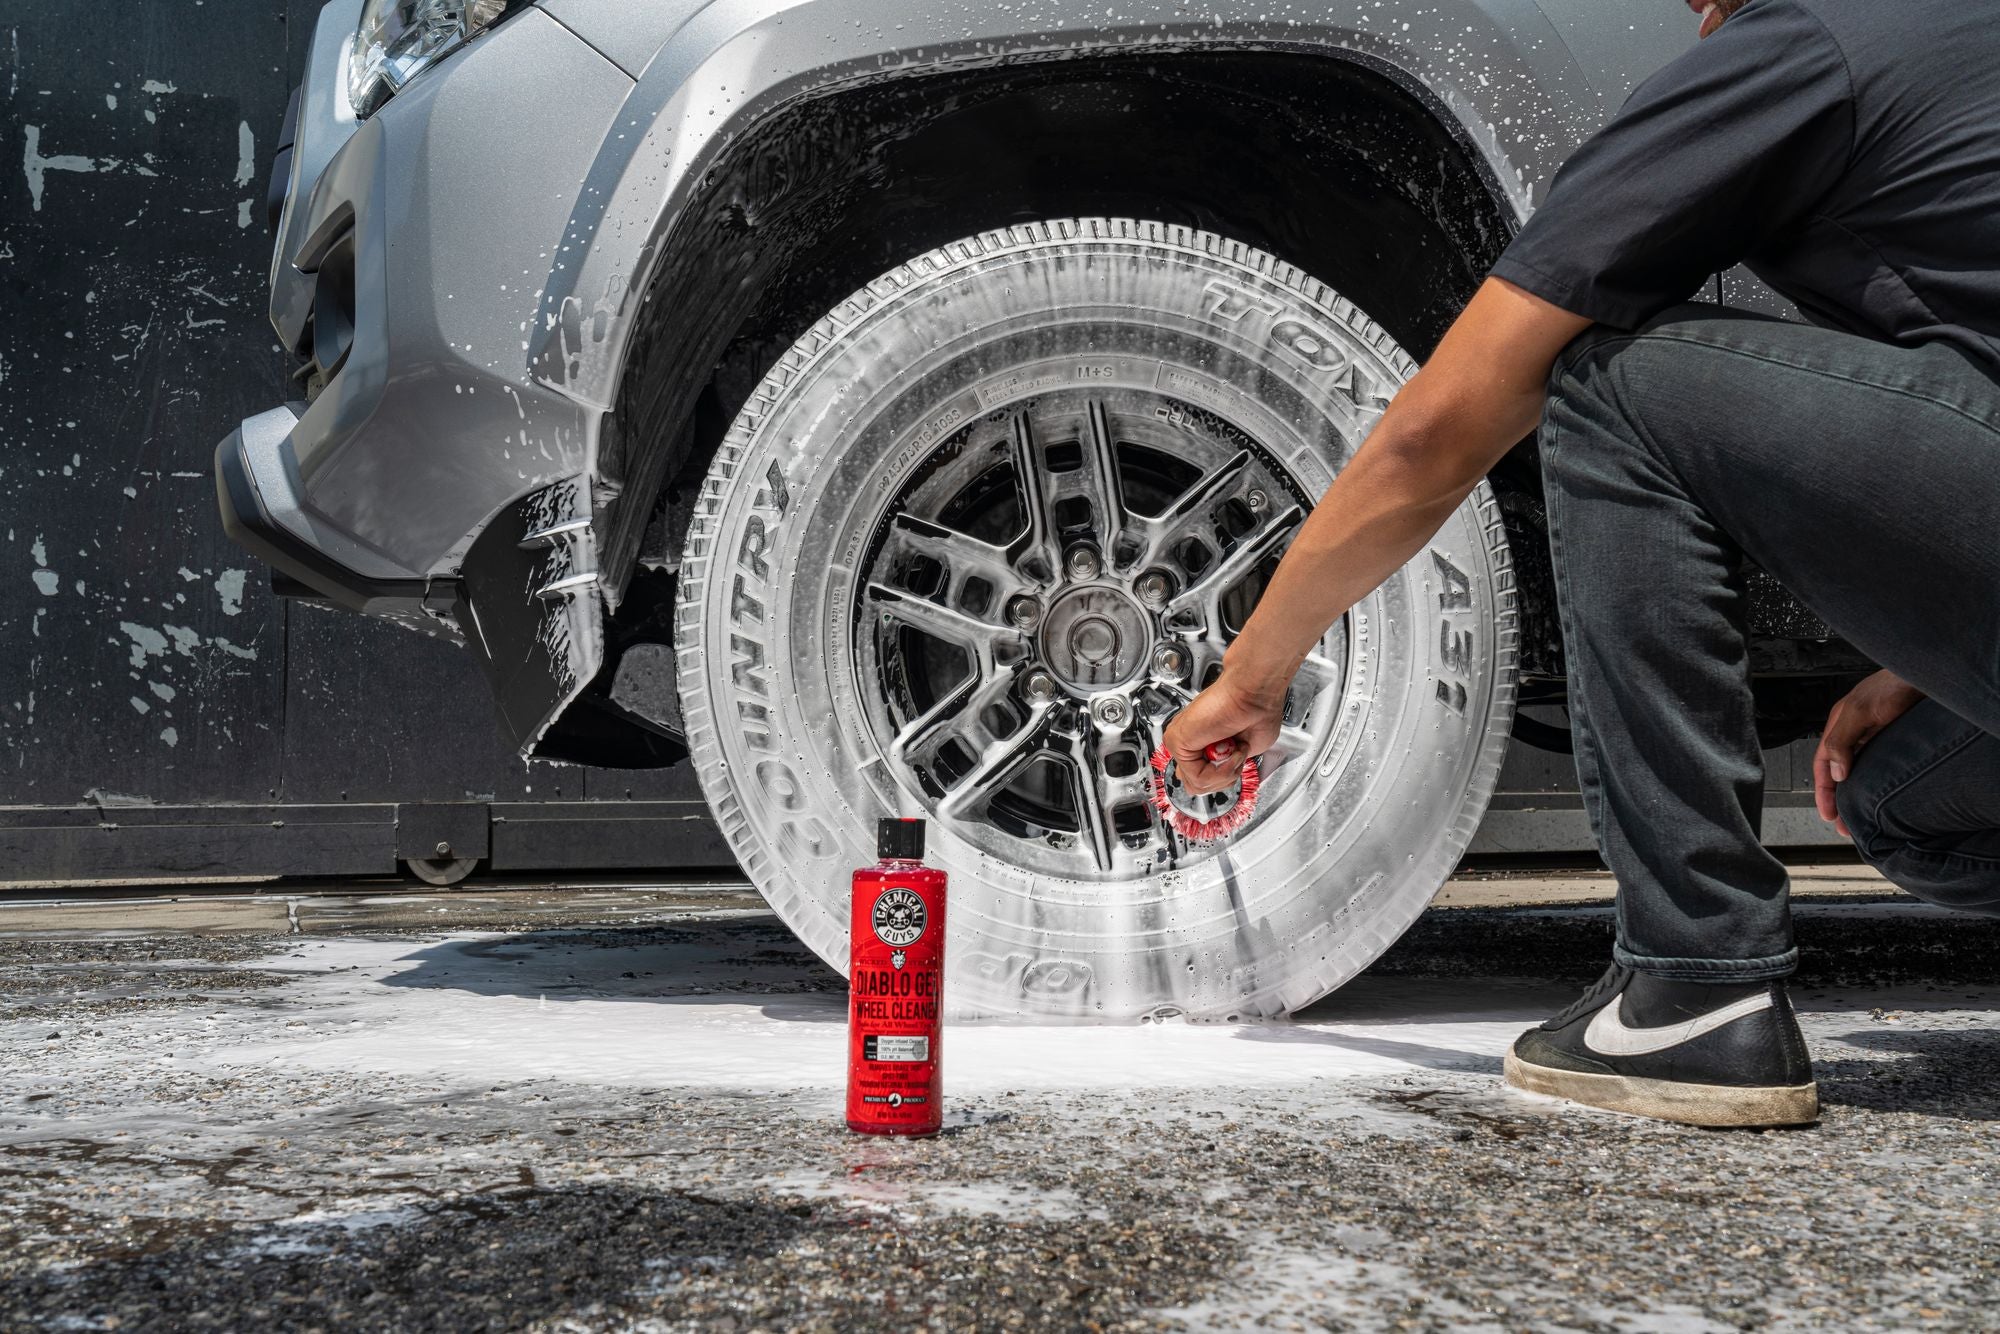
{"type": "Point", "coordinates": [895, 981]}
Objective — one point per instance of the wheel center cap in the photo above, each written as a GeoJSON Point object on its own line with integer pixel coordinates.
{"type": "Point", "coordinates": [1093, 640]}
{"type": "Point", "coordinates": [1095, 637]}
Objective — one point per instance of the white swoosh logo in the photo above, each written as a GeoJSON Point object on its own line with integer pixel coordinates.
{"type": "Point", "coordinates": [1608, 1035]}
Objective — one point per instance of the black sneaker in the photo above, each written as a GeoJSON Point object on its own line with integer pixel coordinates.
{"type": "Point", "coordinates": [1704, 1053]}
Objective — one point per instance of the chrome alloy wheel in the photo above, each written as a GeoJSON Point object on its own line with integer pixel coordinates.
{"type": "Point", "coordinates": [1052, 585]}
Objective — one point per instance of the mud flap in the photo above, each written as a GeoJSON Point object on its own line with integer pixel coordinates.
{"type": "Point", "coordinates": [534, 612]}
{"type": "Point", "coordinates": [532, 609]}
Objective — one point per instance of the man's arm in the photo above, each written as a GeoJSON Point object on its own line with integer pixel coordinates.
{"type": "Point", "coordinates": [1479, 394]}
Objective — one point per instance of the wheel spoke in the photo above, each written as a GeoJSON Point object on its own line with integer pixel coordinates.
{"type": "Point", "coordinates": [962, 553]}
{"type": "Point", "coordinates": [1093, 803]}
{"type": "Point", "coordinates": [1037, 539]}
{"type": "Point", "coordinates": [1292, 743]}
{"type": "Point", "coordinates": [1107, 491]}
{"type": "Point", "coordinates": [999, 763]}
{"type": "Point", "coordinates": [1194, 505]}
{"type": "Point", "coordinates": [1205, 593]}
{"type": "Point", "coordinates": [1319, 671]}
{"type": "Point", "coordinates": [968, 699]}
{"type": "Point", "coordinates": [982, 638]}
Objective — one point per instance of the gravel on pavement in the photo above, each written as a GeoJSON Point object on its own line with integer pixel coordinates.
{"type": "Point", "coordinates": [608, 1109]}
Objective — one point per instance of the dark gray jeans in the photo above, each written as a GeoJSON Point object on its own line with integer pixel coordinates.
{"type": "Point", "coordinates": [1866, 478]}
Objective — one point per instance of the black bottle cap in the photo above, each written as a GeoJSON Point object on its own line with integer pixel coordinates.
{"type": "Point", "coordinates": [899, 840]}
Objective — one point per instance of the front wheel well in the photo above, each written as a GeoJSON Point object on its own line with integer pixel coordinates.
{"type": "Point", "coordinates": [1329, 163]}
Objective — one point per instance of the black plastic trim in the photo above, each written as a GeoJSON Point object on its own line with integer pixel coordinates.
{"type": "Point", "coordinates": [281, 164]}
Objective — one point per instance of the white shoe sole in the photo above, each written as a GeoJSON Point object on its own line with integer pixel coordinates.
{"type": "Point", "coordinates": [1665, 1100]}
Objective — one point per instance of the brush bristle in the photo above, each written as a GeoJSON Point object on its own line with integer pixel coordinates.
{"type": "Point", "coordinates": [1218, 826]}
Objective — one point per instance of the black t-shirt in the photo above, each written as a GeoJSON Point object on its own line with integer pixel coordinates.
{"type": "Point", "coordinates": [1847, 151]}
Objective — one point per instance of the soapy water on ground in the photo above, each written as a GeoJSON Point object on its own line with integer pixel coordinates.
{"type": "Point", "coordinates": [635, 1125]}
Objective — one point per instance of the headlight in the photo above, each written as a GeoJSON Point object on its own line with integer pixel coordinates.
{"type": "Point", "coordinates": [400, 39]}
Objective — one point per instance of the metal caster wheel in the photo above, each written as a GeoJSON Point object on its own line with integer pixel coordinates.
{"type": "Point", "coordinates": [440, 871]}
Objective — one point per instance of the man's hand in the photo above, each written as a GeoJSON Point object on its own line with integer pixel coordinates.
{"type": "Point", "coordinates": [1853, 722]}
{"type": "Point", "coordinates": [1223, 712]}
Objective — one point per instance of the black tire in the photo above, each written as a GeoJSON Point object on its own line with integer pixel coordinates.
{"type": "Point", "coordinates": [870, 520]}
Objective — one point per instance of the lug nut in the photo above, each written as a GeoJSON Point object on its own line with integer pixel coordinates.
{"type": "Point", "coordinates": [1111, 710]}
{"type": "Point", "coordinates": [1040, 686]}
{"type": "Point", "coordinates": [443, 849]}
{"type": "Point", "coordinates": [1257, 499]}
{"type": "Point", "coordinates": [1170, 662]}
{"type": "Point", "coordinates": [1081, 563]}
{"type": "Point", "coordinates": [1024, 612]}
{"type": "Point", "coordinates": [1153, 588]}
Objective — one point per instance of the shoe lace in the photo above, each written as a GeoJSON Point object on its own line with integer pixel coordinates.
{"type": "Point", "coordinates": [1600, 991]}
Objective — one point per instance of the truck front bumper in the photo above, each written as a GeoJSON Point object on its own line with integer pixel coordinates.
{"type": "Point", "coordinates": [426, 477]}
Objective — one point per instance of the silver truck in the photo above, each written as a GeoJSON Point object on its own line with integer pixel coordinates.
{"type": "Point", "coordinates": [895, 408]}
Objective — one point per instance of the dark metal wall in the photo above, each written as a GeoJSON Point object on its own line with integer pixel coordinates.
{"type": "Point", "coordinates": [160, 710]}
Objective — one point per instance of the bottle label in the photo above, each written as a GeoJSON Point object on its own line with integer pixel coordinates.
{"type": "Point", "coordinates": [881, 1047]}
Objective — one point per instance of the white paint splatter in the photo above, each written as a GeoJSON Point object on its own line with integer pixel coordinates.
{"type": "Point", "coordinates": [37, 167]}
{"type": "Point", "coordinates": [187, 574]}
{"type": "Point", "coordinates": [171, 737]}
{"type": "Point", "coordinates": [145, 640]}
{"type": "Point", "coordinates": [45, 579]}
{"type": "Point", "coordinates": [232, 650]}
{"type": "Point", "coordinates": [246, 168]}
{"type": "Point", "coordinates": [246, 153]}
{"type": "Point", "coordinates": [141, 705]}
{"type": "Point", "coordinates": [155, 86]}
{"type": "Point", "coordinates": [162, 689]}
{"type": "Point", "coordinates": [230, 587]}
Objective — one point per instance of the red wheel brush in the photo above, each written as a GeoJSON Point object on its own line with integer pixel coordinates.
{"type": "Point", "coordinates": [1204, 819]}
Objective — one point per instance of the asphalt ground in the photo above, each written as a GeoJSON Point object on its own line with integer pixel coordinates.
{"type": "Point", "coordinates": [615, 1107]}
